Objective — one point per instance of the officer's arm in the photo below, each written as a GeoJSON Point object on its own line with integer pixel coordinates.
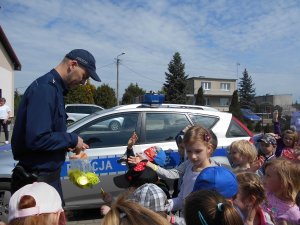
{"type": "Point", "coordinates": [41, 107]}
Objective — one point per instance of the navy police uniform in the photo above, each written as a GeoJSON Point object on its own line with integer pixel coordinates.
{"type": "Point", "coordinates": [39, 140]}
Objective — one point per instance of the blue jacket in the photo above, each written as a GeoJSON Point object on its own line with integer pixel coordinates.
{"type": "Point", "coordinates": [40, 139]}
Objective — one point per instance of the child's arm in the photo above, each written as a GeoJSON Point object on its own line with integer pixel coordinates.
{"type": "Point", "coordinates": [162, 173]}
{"type": "Point", "coordinates": [129, 151]}
{"type": "Point", "coordinates": [276, 124]}
{"type": "Point", "coordinates": [106, 196]}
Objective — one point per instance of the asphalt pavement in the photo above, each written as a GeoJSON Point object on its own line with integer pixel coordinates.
{"type": "Point", "coordinates": [84, 217]}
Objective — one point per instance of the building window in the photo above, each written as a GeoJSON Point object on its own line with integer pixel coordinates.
{"type": "Point", "coordinates": [206, 85]}
{"type": "Point", "coordinates": [225, 86]}
{"type": "Point", "coordinates": [207, 101]}
{"type": "Point", "coordinates": [224, 102]}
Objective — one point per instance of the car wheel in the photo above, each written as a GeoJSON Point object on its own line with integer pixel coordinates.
{"type": "Point", "coordinates": [4, 200]}
{"type": "Point", "coordinates": [114, 125]}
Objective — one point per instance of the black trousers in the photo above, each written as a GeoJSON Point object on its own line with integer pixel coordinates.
{"type": "Point", "coordinates": [5, 128]}
{"type": "Point", "coordinates": [22, 177]}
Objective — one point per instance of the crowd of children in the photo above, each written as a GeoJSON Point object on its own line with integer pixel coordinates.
{"type": "Point", "coordinates": [261, 187]}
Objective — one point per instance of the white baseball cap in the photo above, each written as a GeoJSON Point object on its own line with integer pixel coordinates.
{"type": "Point", "coordinates": [46, 197]}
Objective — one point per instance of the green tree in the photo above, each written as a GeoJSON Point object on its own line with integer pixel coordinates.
{"type": "Point", "coordinates": [234, 107]}
{"type": "Point", "coordinates": [175, 86]}
{"type": "Point", "coordinates": [131, 92]}
{"type": "Point", "coordinates": [105, 96]}
{"type": "Point", "coordinates": [83, 94]}
{"type": "Point", "coordinates": [200, 97]}
{"type": "Point", "coordinates": [17, 100]}
{"type": "Point", "coordinates": [246, 91]}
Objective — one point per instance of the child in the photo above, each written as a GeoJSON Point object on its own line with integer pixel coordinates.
{"type": "Point", "coordinates": [250, 196]}
{"type": "Point", "coordinates": [128, 212]}
{"type": "Point", "coordinates": [179, 171]}
{"type": "Point", "coordinates": [287, 142]}
{"type": "Point", "coordinates": [267, 148]}
{"type": "Point", "coordinates": [208, 207]}
{"type": "Point", "coordinates": [152, 197]}
{"type": "Point", "coordinates": [197, 143]}
{"type": "Point", "coordinates": [282, 184]}
{"type": "Point", "coordinates": [37, 203]}
{"type": "Point", "coordinates": [242, 155]}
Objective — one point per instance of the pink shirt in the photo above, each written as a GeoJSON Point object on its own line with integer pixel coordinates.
{"type": "Point", "coordinates": [265, 218]}
{"type": "Point", "coordinates": [288, 153]}
{"type": "Point", "coordinates": [280, 210]}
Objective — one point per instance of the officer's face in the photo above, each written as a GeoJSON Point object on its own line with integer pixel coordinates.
{"type": "Point", "coordinates": [77, 76]}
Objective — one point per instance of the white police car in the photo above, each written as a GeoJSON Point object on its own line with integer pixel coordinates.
{"type": "Point", "coordinates": [154, 125]}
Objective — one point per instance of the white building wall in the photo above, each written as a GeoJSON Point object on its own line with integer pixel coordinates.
{"type": "Point", "coordinates": [7, 79]}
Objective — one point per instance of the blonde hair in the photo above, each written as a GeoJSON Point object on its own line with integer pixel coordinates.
{"type": "Point", "coordinates": [128, 212]}
{"type": "Point", "coordinates": [251, 184]}
{"type": "Point", "coordinates": [245, 148]}
{"type": "Point", "coordinates": [293, 134]}
{"type": "Point", "coordinates": [198, 134]}
{"type": "Point", "coordinates": [289, 173]}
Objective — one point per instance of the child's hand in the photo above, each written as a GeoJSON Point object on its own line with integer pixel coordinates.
{"type": "Point", "coordinates": [275, 116]}
{"type": "Point", "coordinates": [256, 164]}
{"type": "Point", "coordinates": [132, 140]}
{"type": "Point", "coordinates": [104, 209]}
{"type": "Point", "coordinates": [136, 159]}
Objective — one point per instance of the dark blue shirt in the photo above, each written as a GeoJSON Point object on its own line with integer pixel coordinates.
{"type": "Point", "coordinates": [40, 139]}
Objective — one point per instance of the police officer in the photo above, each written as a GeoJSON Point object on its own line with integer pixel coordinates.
{"type": "Point", "coordinates": [40, 139]}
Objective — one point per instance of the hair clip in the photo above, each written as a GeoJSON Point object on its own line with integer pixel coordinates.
{"type": "Point", "coordinates": [206, 137]}
{"type": "Point", "coordinates": [219, 207]}
{"type": "Point", "coordinates": [201, 218]}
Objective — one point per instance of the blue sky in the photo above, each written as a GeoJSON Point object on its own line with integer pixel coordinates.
{"type": "Point", "coordinates": [211, 36]}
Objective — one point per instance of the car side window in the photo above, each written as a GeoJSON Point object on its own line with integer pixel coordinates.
{"type": "Point", "coordinates": [235, 130]}
{"type": "Point", "coordinates": [110, 131]}
{"type": "Point", "coordinates": [83, 109]}
{"type": "Point", "coordinates": [162, 127]}
{"type": "Point", "coordinates": [206, 121]}
{"type": "Point", "coordinates": [69, 109]}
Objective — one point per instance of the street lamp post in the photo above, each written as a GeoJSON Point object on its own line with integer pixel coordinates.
{"type": "Point", "coordinates": [237, 74]}
{"type": "Point", "coordinates": [118, 62]}
{"type": "Point", "coordinates": [237, 70]}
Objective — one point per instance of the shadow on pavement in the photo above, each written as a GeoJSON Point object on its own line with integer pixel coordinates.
{"type": "Point", "coordinates": [83, 214]}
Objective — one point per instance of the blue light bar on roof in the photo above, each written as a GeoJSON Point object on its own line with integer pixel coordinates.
{"type": "Point", "coordinates": [151, 98]}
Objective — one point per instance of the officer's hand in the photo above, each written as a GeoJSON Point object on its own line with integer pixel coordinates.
{"type": "Point", "coordinates": [81, 146]}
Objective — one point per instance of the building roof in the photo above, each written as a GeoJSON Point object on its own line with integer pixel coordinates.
{"type": "Point", "coordinates": [210, 78]}
{"type": "Point", "coordinates": [12, 55]}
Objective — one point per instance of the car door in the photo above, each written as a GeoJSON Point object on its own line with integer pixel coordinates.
{"type": "Point", "coordinates": [161, 128]}
{"type": "Point", "coordinates": [107, 143]}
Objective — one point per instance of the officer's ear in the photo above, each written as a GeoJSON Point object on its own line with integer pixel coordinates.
{"type": "Point", "coordinates": [72, 64]}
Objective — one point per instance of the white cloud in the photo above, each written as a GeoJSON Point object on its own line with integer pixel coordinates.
{"type": "Point", "coordinates": [210, 35]}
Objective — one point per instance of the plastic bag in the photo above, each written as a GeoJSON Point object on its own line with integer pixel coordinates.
{"type": "Point", "coordinates": [80, 172]}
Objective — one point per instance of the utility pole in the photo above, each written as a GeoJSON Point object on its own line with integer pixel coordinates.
{"type": "Point", "coordinates": [237, 74]}
{"type": "Point", "coordinates": [118, 62]}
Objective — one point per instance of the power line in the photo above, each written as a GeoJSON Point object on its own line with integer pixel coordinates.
{"type": "Point", "coordinates": [106, 65]}
{"type": "Point", "coordinates": [140, 74]}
